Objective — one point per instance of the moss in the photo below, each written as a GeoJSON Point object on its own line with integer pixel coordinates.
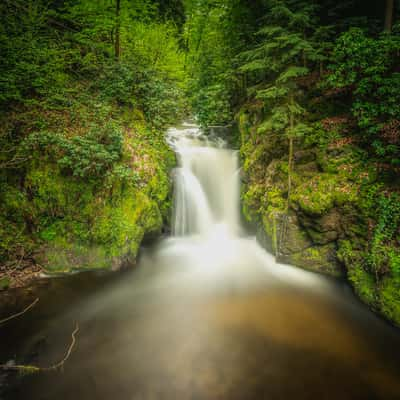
{"type": "Point", "coordinates": [363, 283]}
{"type": "Point", "coordinates": [243, 125]}
{"type": "Point", "coordinates": [5, 282]}
{"type": "Point", "coordinates": [96, 224]}
{"type": "Point", "coordinates": [342, 208]}
{"type": "Point", "coordinates": [319, 194]}
{"type": "Point", "coordinates": [318, 258]}
{"type": "Point", "coordinates": [390, 299]}
{"type": "Point", "coordinates": [64, 257]}
{"type": "Point", "coordinates": [112, 233]}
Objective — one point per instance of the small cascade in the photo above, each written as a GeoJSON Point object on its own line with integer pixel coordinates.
{"type": "Point", "coordinates": [206, 184]}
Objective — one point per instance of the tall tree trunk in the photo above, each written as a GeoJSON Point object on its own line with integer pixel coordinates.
{"type": "Point", "coordinates": [389, 15]}
{"type": "Point", "coordinates": [290, 161]}
{"type": "Point", "coordinates": [117, 30]}
{"type": "Point", "coordinates": [290, 167]}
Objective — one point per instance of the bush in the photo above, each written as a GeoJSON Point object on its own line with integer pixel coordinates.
{"type": "Point", "coordinates": [368, 68]}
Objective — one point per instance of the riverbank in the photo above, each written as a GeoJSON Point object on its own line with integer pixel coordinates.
{"type": "Point", "coordinates": [62, 215]}
{"type": "Point", "coordinates": [85, 100]}
{"type": "Point", "coordinates": [343, 213]}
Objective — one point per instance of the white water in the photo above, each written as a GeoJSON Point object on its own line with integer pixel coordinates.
{"type": "Point", "coordinates": [206, 184]}
{"type": "Point", "coordinates": [207, 236]}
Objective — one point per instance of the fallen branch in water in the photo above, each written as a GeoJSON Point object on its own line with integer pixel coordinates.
{"type": "Point", "coordinates": [30, 369]}
{"type": "Point", "coordinates": [20, 313]}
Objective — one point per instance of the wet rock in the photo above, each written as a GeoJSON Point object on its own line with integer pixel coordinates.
{"type": "Point", "coordinates": [299, 248]}
{"type": "Point", "coordinates": [316, 258]}
{"type": "Point", "coordinates": [308, 169]}
{"type": "Point", "coordinates": [292, 244]}
{"type": "Point", "coordinates": [322, 230]}
{"type": "Point", "coordinates": [291, 237]}
{"type": "Point", "coordinates": [304, 156]}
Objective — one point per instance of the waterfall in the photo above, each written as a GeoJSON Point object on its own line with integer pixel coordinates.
{"type": "Point", "coordinates": [206, 195]}
{"type": "Point", "coordinates": [207, 236]}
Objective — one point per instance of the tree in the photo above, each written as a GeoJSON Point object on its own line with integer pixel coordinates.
{"type": "Point", "coordinates": [389, 15]}
{"type": "Point", "coordinates": [117, 29]}
{"type": "Point", "coordinates": [275, 66]}
{"type": "Point", "coordinates": [215, 32]}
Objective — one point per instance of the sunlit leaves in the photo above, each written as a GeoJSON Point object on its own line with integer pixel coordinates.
{"type": "Point", "coordinates": [291, 73]}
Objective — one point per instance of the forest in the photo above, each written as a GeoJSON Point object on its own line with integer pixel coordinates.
{"type": "Point", "coordinates": [309, 95]}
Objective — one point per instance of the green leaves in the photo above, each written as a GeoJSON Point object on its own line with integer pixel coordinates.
{"type": "Point", "coordinates": [90, 156]}
{"type": "Point", "coordinates": [367, 67]}
{"type": "Point", "coordinates": [299, 130]}
{"type": "Point", "coordinates": [380, 256]}
{"type": "Point", "coordinates": [292, 72]}
{"type": "Point", "coordinates": [272, 93]}
{"type": "Point", "coordinates": [86, 156]}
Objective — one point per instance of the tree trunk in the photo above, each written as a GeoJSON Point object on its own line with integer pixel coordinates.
{"type": "Point", "coordinates": [304, 53]}
{"type": "Point", "coordinates": [117, 30]}
{"type": "Point", "coordinates": [389, 16]}
{"type": "Point", "coordinates": [290, 161]}
{"type": "Point", "coordinates": [290, 167]}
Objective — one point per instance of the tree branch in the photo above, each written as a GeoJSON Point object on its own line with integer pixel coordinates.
{"type": "Point", "coordinates": [20, 313]}
{"type": "Point", "coordinates": [30, 369]}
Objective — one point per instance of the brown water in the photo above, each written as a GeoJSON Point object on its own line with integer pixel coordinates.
{"type": "Point", "coordinates": [174, 329]}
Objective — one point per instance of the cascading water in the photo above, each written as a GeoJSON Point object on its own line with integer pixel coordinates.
{"type": "Point", "coordinates": [206, 184]}
{"type": "Point", "coordinates": [206, 217]}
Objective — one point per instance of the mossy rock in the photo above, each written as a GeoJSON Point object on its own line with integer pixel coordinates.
{"type": "Point", "coordinates": [115, 237]}
{"type": "Point", "coordinates": [324, 229]}
{"type": "Point", "coordinates": [320, 259]}
{"type": "Point", "coordinates": [389, 298]}
{"type": "Point", "coordinates": [307, 170]}
{"type": "Point", "coordinates": [322, 192]}
{"type": "Point", "coordinates": [291, 237]}
{"type": "Point", "coordinates": [5, 282]}
{"type": "Point", "coordinates": [304, 156]}
{"type": "Point", "coordinates": [96, 229]}
{"type": "Point", "coordinates": [363, 283]}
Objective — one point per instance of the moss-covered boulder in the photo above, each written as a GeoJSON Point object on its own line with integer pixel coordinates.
{"type": "Point", "coordinates": [292, 244]}
{"type": "Point", "coordinates": [77, 210]}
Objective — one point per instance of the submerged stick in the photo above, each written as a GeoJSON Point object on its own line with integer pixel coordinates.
{"type": "Point", "coordinates": [67, 354]}
{"type": "Point", "coordinates": [30, 369]}
{"type": "Point", "coordinates": [20, 313]}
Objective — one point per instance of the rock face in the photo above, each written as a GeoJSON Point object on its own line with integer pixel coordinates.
{"type": "Point", "coordinates": [296, 246]}
{"type": "Point", "coordinates": [336, 222]}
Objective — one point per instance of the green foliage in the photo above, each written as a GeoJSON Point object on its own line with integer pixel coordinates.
{"type": "Point", "coordinates": [390, 299]}
{"type": "Point", "coordinates": [364, 284]}
{"type": "Point", "coordinates": [30, 61]}
{"type": "Point", "coordinates": [93, 154]}
{"type": "Point", "coordinates": [383, 258]}
{"type": "Point", "coordinates": [344, 134]}
{"type": "Point", "coordinates": [215, 32]}
{"type": "Point", "coordinates": [367, 67]}
{"type": "Point", "coordinates": [275, 65]}
{"type": "Point", "coordinates": [83, 161]}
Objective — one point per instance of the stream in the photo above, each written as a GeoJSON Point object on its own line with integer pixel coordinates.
{"type": "Point", "coordinates": [207, 314]}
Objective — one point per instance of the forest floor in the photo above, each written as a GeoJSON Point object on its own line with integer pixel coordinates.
{"type": "Point", "coordinates": [18, 275]}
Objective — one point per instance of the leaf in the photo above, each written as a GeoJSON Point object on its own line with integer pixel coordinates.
{"type": "Point", "coordinates": [291, 73]}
